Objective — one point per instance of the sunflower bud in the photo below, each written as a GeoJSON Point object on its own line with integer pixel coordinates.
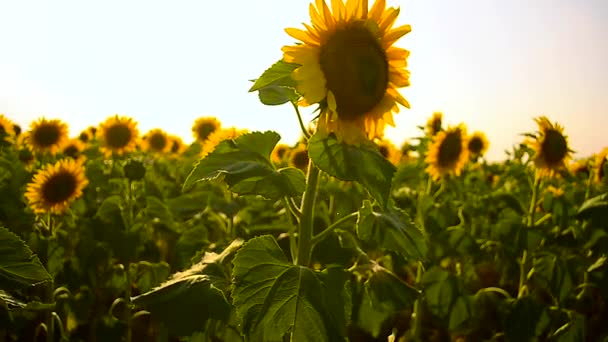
{"type": "Point", "coordinates": [134, 170]}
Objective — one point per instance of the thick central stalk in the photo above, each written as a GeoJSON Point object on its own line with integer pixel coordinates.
{"type": "Point", "coordinates": [306, 223]}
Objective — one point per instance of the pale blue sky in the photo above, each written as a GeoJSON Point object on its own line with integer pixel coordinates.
{"type": "Point", "coordinates": [488, 63]}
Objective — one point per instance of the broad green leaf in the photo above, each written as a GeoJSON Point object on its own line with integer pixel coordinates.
{"type": "Point", "coordinates": [147, 275]}
{"type": "Point", "coordinates": [384, 295]}
{"type": "Point", "coordinates": [19, 266]}
{"type": "Point", "coordinates": [109, 208]}
{"type": "Point", "coordinates": [551, 272]}
{"type": "Point", "coordinates": [461, 313]}
{"type": "Point", "coordinates": [277, 95]}
{"type": "Point", "coordinates": [279, 74]}
{"type": "Point", "coordinates": [157, 209]}
{"type": "Point", "coordinates": [274, 298]}
{"type": "Point", "coordinates": [186, 301]}
{"type": "Point", "coordinates": [526, 321]}
{"type": "Point", "coordinates": [336, 284]}
{"type": "Point", "coordinates": [392, 230]}
{"type": "Point", "coordinates": [441, 291]}
{"type": "Point", "coordinates": [363, 164]}
{"type": "Point", "coordinates": [573, 331]}
{"type": "Point", "coordinates": [506, 199]}
{"type": "Point", "coordinates": [596, 206]}
{"type": "Point", "coordinates": [245, 166]}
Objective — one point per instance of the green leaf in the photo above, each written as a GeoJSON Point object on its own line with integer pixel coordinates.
{"type": "Point", "coordinates": [245, 166]}
{"type": "Point", "coordinates": [147, 274]}
{"type": "Point", "coordinates": [363, 164]}
{"type": "Point", "coordinates": [336, 282]}
{"type": "Point", "coordinates": [109, 208]}
{"type": "Point", "coordinates": [508, 200]}
{"type": "Point", "coordinates": [277, 95]}
{"type": "Point", "coordinates": [461, 313]}
{"type": "Point", "coordinates": [274, 298]}
{"type": "Point", "coordinates": [441, 291]}
{"type": "Point", "coordinates": [157, 209]}
{"type": "Point", "coordinates": [392, 230]}
{"type": "Point", "coordinates": [573, 331]}
{"type": "Point", "coordinates": [526, 321]}
{"type": "Point", "coordinates": [551, 272]}
{"type": "Point", "coordinates": [596, 206]}
{"type": "Point", "coordinates": [279, 74]}
{"type": "Point", "coordinates": [19, 267]}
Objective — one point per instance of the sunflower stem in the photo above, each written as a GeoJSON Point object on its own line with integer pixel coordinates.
{"type": "Point", "coordinates": [417, 330]}
{"type": "Point", "coordinates": [306, 222]}
{"type": "Point", "coordinates": [128, 315]}
{"type": "Point", "coordinates": [533, 203]}
{"type": "Point", "coordinates": [302, 126]}
{"type": "Point", "coordinates": [322, 235]}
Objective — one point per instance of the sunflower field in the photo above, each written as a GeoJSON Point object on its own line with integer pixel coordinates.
{"type": "Point", "coordinates": [119, 235]}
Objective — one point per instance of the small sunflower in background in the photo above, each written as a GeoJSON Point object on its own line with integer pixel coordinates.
{"type": "Point", "coordinates": [56, 186]}
{"type": "Point", "coordinates": [280, 153]}
{"type": "Point", "coordinates": [47, 136]}
{"type": "Point", "coordinates": [204, 127]}
{"type": "Point", "coordinates": [26, 157]}
{"type": "Point", "coordinates": [448, 153]}
{"type": "Point", "coordinates": [599, 165]}
{"type": "Point", "coordinates": [118, 135]}
{"type": "Point", "coordinates": [7, 130]}
{"type": "Point", "coordinates": [550, 146]}
{"type": "Point", "coordinates": [478, 145]}
{"type": "Point", "coordinates": [176, 145]}
{"type": "Point", "coordinates": [86, 136]}
{"type": "Point", "coordinates": [74, 149]}
{"type": "Point", "coordinates": [580, 168]}
{"type": "Point", "coordinates": [389, 151]}
{"type": "Point", "coordinates": [556, 192]}
{"type": "Point", "coordinates": [350, 67]}
{"type": "Point", "coordinates": [434, 124]}
{"type": "Point", "coordinates": [156, 141]}
{"type": "Point", "coordinates": [218, 136]}
{"type": "Point", "coordinates": [298, 157]}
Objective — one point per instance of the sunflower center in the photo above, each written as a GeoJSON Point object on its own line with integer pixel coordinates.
{"type": "Point", "coordinates": [71, 151]}
{"type": "Point", "coordinates": [59, 188]}
{"type": "Point", "coordinates": [356, 70]}
{"type": "Point", "coordinates": [436, 126]}
{"type": "Point", "coordinates": [554, 147]}
{"type": "Point", "coordinates": [17, 130]}
{"type": "Point", "coordinates": [84, 137]}
{"type": "Point", "coordinates": [475, 145]}
{"type": "Point", "coordinates": [175, 147]}
{"type": "Point", "coordinates": [118, 136]}
{"type": "Point", "coordinates": [300, 160]}
{"type": "Point", "coordinates": [46, 135]}
{"type": "Point", "coordinates": [281, 152]}
{"type": "Point", "coordinates": [383, 151]}
{"type": "Point", "coordinates": [157, 142]}
{"type": "Point", "coordinates": [450, 149]}
{"type": "Point", "coordinates": [26, 156]}
{"type": "Point", "coordinates": [204, 130]}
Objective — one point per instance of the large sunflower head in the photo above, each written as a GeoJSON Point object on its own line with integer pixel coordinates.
{"type": "Point", "coordinates": [478, 144]}
{"type": "Point", "coordinates": [218, 136]}
{"type": "Point", "coordinates": [7, 130]}
{"type": "Point", "coordinates": [55, 186]}
{"type": "Point", "coordinates": [434, 124]}
{"type": "Point", "coordinates": [298, 157]}
{"type": "Point", "coordinates": [118, 135]}
{"type": "Point", "coordinates": [156, 141]}
{"type": "Point", "coordinates": [47, 136]}
{"type": "Point", "coordinates": [550, 146]}
{"type": "Point", "coordinates": [203, 127]}
{"type": "Point", "coordinates": [74, 148]}
{"type": "Point", "coordinates": [600, 164]}
{"type": "Point", "coordinates": [389, 151]}
{"type": "Point", "coordinates": [349, 66]}
{"type": "Point", "coordinates": [448, 153]}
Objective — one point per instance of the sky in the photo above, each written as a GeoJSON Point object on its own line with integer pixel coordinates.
{"type": "Point", "coordinates": [493, 65]}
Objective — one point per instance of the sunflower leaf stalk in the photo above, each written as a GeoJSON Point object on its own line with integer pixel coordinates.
{"type": "Point", "coordinates": [305, 234]}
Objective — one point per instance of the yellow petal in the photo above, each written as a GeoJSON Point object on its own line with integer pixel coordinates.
{"type": "Point", "coordinates": [300, 54]}
{"type": "Point", "coordinates": [388, 19]}
{"type": "Point", "coordinates": [329, 19]}
{"type": "Point", "coordinates": [377, 10]}
{"type": "Point", "coordinates": [331, 101]}
{"type": "Point", "coordinates": [308, 71]}
{"type": "Point", "coordinates": [338, 9]}
{"type": "Point", "coordinates": [302, 36]}
{"type": "Point", "coordinates": [399, 78]}
{"type": "Point", "coordinates": [397, 97]}
{"type": "Point", "coordinates": [313, 91]}
{"type": "Point", "coordinates": [395, 34]}
{"type": "Point", "coordinates": [316, 18]}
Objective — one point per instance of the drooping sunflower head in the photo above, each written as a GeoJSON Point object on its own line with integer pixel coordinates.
{"type": "Point", "coordinates": [298, 157]}
{"type": "Point", "coordinates": [349, 66]}
{"type": "Point", "coordinates": [118, 135]}
{"type": "Point", "coordinates": [448, 153]}
{"type": "Point", "coordinates": [600, 165]}
{"type": "Point", "coordinates": [156, 141]}
{"type": "Point", "coordinates": [280, 153]}
{"type": "Point", "coordinates": [47, 136]}
{"type": "Point", "coordinates": [203, 127]}
{"type": "Point", "coordinates": [218, 136]}
{"type": "Point", "coordinates": [478, 144]}
{"type": "Point", "coordinates": [389, 151]}
{"type": "Point", "coordinates": [176, 144]}
{"type": "Point", "coordinates": [7, 130]}
{"type": "Point", "coordinates": [56, 186]}
{"type": "Point", "coordinates": [580, 168]}
{"type": "Point", "coordinates": [550, 146]}
{"type": "Point", "coordinates": [434, 124]}
{"type": "Point", "coordinates": [74, 148]}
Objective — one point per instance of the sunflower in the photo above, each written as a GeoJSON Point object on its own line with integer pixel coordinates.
{"type": "Point", "coordinates": [203, 127]}
{"type": "Point", "coordinates": [118, 135]}
{"type": "Point", "coordinates": [298, 157]}
{"type": "Point", "coordinates": [434, 124]}
{"type": "Point", "coordinates": [7, 129]}
{"type": "Point", "coordinates": [156, 141]}
{"type": "Point", "coordinates": [47, 136]}
{"type": "Point", "coordinates": [448, 152]}
{"type": "Point", "coordinates": [349, 66]}
{"type": "Point", "coordinates": [599, 165]}
{"type": "Point", "coordinates": [580, 168]}
{"type": "Point", "coordinates": [280, 153]}
{"type": "Point", "coordinates": [55, 186]}
{"type": "Point", "coordinates": [176, 144]}
{"type": "Point", "coordinates": [550, 146]}
{"type": "Point", "coordinates": [85, 136]}
{"type": "Point", "coordinates": [73, 149]}
{"type": "Point", "coordinates": [26, 157]}
{"type": "Point", "coordinates": [389, 151]}
{"type": "Point", "coordinates": [218, 136]}
{"type": "Point", "coordinates": [478, 144]}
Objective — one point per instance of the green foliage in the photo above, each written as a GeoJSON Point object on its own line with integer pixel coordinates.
{"type": "Point", "coordinates": [19, 266]}
{"type": "Point", "coordinates": [275, 86]}
{"type": "Point", "coordinates": [363, 164]}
